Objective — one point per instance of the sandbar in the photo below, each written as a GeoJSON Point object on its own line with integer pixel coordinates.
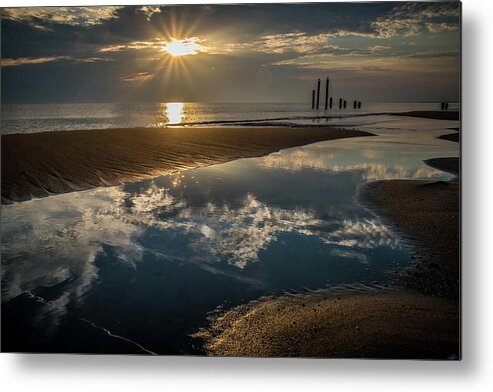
{"type": "Point", "coordinates": [42, 164]}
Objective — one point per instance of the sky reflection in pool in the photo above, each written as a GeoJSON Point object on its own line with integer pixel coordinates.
{"type": "Point", "coordinates": [147, 261]}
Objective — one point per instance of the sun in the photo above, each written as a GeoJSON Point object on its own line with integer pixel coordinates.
{"type": "Point", "coordinates": [181, 47]}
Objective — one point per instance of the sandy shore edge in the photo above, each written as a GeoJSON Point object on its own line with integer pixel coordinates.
{"type": "Point", "coordinates": [416, 317]}
{"type": "Point", "coordinates": [432, 114]}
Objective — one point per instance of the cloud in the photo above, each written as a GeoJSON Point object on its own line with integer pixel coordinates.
{"type": "Point", "coordinates": [8, 62]}
{"type": "Point", "coordinates": [378, 48]}
{"type": "Point", "coordinates": [364, 233]}
{"type": "Point", "coordinates": [31, 60]}
{"type": "Point", "coordinates": [238, 234]}
{"type": "Point", "coordinates": [155, 43]}
{"type": "Point", "coordinates": [47, 250]}
{"type": "Point", "coordinates": [423, 61]}
{"type": "Point", "coordinates": [137, 77]}
{"type": "Point", "coordinates": [432, 55]}
{"type": "Point", "coordinates": [39, 17]}
{"type": "Point", "coordinates": [410, 19]}
{"type": "Point", "coordinates": [148, 11]}
{"type": "Point", "coordinates": [292, 43]}
{"type": "Point", "coordinates": [438, 27]}
{"type": "Point", "coordinates": [320, 158]}
{"type": "Point", "coordinates": [112, 48]}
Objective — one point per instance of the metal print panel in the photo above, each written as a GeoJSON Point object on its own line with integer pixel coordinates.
{"type": "Point", "coordinates": [262, 180]}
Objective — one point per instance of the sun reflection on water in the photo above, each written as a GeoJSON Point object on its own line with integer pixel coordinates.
{"type": "Point", "coordinates": [175, 112]}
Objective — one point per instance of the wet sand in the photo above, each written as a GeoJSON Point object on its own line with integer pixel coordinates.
{"type": "Point", "coordinates": [449, 165]}
{"type": "Point", "coordinates": [384, 324]}
{"type": "Point", "coordinates": [41, 164]}
{"type": "Point", "coordinates": [431, 219]}
{"type": "Point", "coordinates": [433, 114]}
{"type": "Point", "coordinates": [416, 317]}
{"type": "Point", "coordinates": [453, 137]}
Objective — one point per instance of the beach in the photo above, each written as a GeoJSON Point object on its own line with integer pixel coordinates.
{"type": "Point", "coordinates": [46, 163]}
{"type": "Point", "coordinates": [269, 256]}
{"type": "Point", "coordinates": [415, 316]}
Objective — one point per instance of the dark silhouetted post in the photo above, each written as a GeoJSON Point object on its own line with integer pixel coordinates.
{"type": "Point", "coordinates": [359, 104]}
{"type": "Point", "coordinates": [318, 93]}
{"type": "Point", "coordinates": [313, 99]}
{"type": "Point", "coordinates": [344, 104]}
{"type": "Point", "coordinates": [446, 105]}
{"type": "Point", "coordinates": [442, 106]}
{"type": "Point", "coordinates": [340, 103]}
{"type": "Point", "coordinates": [326, 93]}
{"type": "Point", "coordinates": [330, 103]}
{"type": "Point", "coordinates": [354, 104]}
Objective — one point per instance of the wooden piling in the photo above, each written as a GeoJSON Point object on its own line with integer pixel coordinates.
{"type": "Point", "coordinates": [330, 103]}
{"type": "Point", "coordinates": [326, 93]}
{"type": "Point", "coordinates": [318, 93]}
{"type": "Point", "coordinates": [355, 104]}
{"type": "Point", "coordinates": [313, 99]}
{"type": "Point", "coordinates": [344, 104]}
{"type": "Point", "coordinates": [359, 104]}
{"type": "Point", "coordinates": [340, 103]}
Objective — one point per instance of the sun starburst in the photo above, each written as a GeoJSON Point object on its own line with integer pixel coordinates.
{"type": "Point", "coordinates": [181, 47]}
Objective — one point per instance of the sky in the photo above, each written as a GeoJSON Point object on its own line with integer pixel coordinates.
{"type": "Point", "coordinates": [380, 52]}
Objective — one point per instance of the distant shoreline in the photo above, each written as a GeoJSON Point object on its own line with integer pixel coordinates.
{"type": "Point", "coordinates": [46, 163]}
{"type": "Point", "coordinates": [274, 122]}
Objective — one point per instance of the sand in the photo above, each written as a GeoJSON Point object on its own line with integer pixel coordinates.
{"type": "Point", "coordinates": [41, 164]}
{"type": "Point", "coordinates": [453, 137]}
{"type": "Point", "coordinates": [385, 324]}
{"type": "Point", "coordinates": [416, 317]}
{"type": "Point", "coordinates": [431, 219]}
{"type": "Point", "coordinates": [433, 114]}
{"type": "Point", "coordinates": [449, 165]}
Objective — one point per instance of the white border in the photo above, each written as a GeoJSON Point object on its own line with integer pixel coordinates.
{"type": "Point", "coordinates": [126, 373]}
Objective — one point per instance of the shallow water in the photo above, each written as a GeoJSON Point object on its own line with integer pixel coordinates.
{"type": "Point", "coordinates": [137, 268]}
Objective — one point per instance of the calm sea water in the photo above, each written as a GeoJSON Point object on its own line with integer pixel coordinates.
{"type": "Point", "coordinates": [62, 117]}
{"type": "Point", "coordinates": [137, 268]}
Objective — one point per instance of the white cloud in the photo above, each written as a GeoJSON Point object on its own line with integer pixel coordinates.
{"type": "Point", "coordinates": [46, 251]}
{"type": "Point", "coordinates": [410, 19]}
{"type": "Point", "coordinates": [74, 16]}
{"type": "Point", "coordinates": [149, 10]}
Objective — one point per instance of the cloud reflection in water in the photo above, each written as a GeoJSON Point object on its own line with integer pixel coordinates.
{"type": "Point", "coordinates": [237, 220]}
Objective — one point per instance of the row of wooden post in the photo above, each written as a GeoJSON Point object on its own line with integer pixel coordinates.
{"type": "Point", "coordinates": [444, 106]}
{"type": "Point", "coordinates": [328, 101]}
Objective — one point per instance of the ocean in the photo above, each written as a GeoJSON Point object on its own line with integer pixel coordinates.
{"type": "Point", "coordinates": [31, 118]}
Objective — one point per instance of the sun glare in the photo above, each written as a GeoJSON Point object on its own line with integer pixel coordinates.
{"type": "Point", "coordinates": [181, 47]}
{"type": "Point", "coordinates": [174, 112]}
